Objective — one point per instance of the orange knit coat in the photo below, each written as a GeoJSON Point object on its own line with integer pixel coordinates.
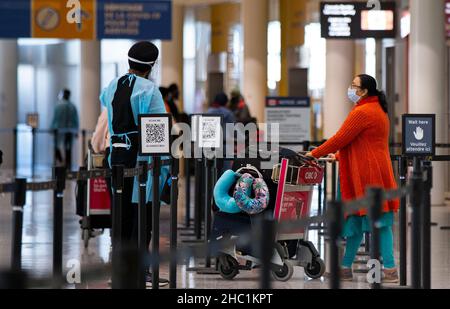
{"type": "Point", "coordinates": [364, 159]}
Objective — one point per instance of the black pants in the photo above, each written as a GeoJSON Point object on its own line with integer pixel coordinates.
{"type": "Point", "coordinates": [129, 215]}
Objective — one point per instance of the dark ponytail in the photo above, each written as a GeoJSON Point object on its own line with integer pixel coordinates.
{"type": "Point", "coordinates": [370, 84]}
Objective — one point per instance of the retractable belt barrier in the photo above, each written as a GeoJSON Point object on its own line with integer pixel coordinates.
{"type": "Point", "coordinates": [417, 190]}
{"type": "Point", "coordinates": [20, 186]}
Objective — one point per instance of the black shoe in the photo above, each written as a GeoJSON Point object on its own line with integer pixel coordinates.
{"type": "Point", "coordinates": [148, 281]}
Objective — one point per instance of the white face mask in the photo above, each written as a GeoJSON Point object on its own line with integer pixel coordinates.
{"type": "Point", "coordinates": [351, 93]}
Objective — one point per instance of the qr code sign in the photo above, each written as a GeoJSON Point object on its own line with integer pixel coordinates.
{"type": "Point", "coordinates": [155, 133]}
{"type": "Point", "coordinates": [209, 130]}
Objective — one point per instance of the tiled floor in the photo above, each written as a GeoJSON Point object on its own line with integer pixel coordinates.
{"type": "Point", "coordinates": [37, 247]}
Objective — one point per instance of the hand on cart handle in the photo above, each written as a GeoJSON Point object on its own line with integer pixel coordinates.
{"type": "Point", "coordinates": [308, 159]}
{"type": "Point", "coordinates": [331, 158]}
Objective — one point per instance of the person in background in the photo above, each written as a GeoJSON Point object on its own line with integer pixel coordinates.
{"type": "Point", "coordinates": [219, 107]}
{"type": "Point", "coordinates": [240, 108]}
{"type": "Point", "coordinates": [362, 148]}
{"type": "Point", "coordinates": [65, 118]}
{"type": "Point", "coordinates": [165, 95]}
{"type": "Point", "coordinates": [173, 95]}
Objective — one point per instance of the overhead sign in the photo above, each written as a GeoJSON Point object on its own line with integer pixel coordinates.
{"type": "Point", "coordinates": [86, 19]}
{"type": "Point", "coordinates": [50, 19]}
{"type": "Point", "coordinates": [355, 20]}
{"type": "Point", "coordinates": [134, 19]}
{"type": "Point", "coordinates": [419, 135]}
{"type": "Point", "coordinates": [15, 21]}
{"type": "Point", "coordinates": [293, 115]}
{"type": "Point", "coordinates": [154, 134]}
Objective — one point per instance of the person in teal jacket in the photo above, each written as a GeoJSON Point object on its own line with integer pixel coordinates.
{"type": "Point", "coordinates": [125, 98]}
{"type": "Point", "coordinates": [65, 118]}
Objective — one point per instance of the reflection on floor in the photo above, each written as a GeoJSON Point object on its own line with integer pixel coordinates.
{"type": "Point", "coordinates": [37, 247]}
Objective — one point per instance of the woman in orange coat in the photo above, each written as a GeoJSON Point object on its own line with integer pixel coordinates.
{"type": "Point", "coordinates": [362, 148]}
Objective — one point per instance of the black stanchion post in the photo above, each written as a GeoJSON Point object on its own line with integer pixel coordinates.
{"type": "Point", "coordinates": [117, 186]}
{"type": "Point", "coordinates": [18, 201]}
{"type": "Point", "coordinates": [426, 226]}
{"type": "Point", "coordinates": [187, 177]}
{"type": "Point", "coordinates": [55, 146]}
{"type": "Point", "coordinates": [59, 174]}
{"type": "Point", "coordinates": [155, 225]}
{"type": "Point", "coordinates": [15, 151]}
{"type": "Point", "coordinates": [83, 144]}
{"type": "Point", "coordinates": [173, 224]}
{"type": "Point", "coordinates": [319, 200]}
{"type": "Point", "coordinates": [325, 189]}
{"type": "Point", "coordinates": [198, 195]}
{"type": "Point", "coordinates": [402, 167]}
{"type": "Point", "coordinates": [416, 200]}
{"type": "Point", "coordinates": [266, 245]}
{"type": "Point", "coordinates": [334, 230]}
{"type": "Point", "coordinates": [375, 210]}
{"type": "Point", "coordinates": [333, 181]}
{"type": "Point", "coordinates": [366, 243]}
{"type": "Point", "coordinates": [142, 217]}
{"type": "Point", "coordinates": [208, 198]}
{"type": "Point", "coordinates": [33, 151]}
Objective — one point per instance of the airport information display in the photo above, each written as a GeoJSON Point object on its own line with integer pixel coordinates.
{"type": "Point", "coordinates": [419, 135]}
{"type": "Point", "coordinates": [293, 116]}
{"type": "Point", "coordinates": [86, 19]}
{"type": "Point", "coordinates": [355, 20]}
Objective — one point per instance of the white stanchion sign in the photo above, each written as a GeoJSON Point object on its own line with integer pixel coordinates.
{"type": "Point", "coordinates": [293, 116]}
{"type": "Point", "coordinates": [209, 129]}
{"type": "Point", "coordinates": [154, 134]}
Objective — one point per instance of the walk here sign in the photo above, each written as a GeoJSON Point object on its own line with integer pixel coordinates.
{"type": "Point", "coordinates": [419, 135]}
{"type": "Point", "coordinates": [86, 19]}
{"type": "Point", "coordinates": [293, 116]}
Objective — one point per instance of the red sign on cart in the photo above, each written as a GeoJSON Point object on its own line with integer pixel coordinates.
{"type": "Point", "coordinates": [295, 206]}
{"type": "Point", "coordinates": [310, 176]}
{"type": "Point", "coordinates": [99, 198]}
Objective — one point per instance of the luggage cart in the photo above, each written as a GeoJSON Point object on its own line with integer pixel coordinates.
{"type": "Point", "coordinates": [96, 216]}
{"type": "Point", "coordinates": [293, 202]}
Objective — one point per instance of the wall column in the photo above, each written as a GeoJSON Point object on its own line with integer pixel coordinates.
{"type": "Point", "coordinates": [427, 76]}
{"type": "Point", "coordinates": [254, 21]}
{"type": "Point", "coordinates": [8, 98]}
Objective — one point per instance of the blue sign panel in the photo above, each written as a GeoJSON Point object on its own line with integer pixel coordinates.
{"type": "Point", "coordinates": [15, 19]}
{"type": "Point", "coordinates": [419, 135]}
{"type": "Point", "coordinates": [134, 19]}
